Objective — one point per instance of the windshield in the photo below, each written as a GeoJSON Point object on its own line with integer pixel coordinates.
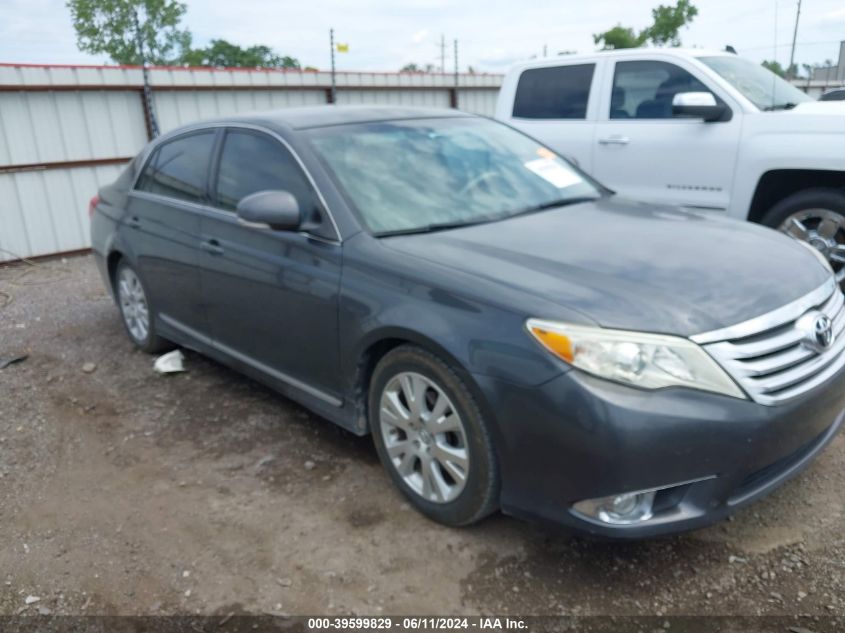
{"type": "Point", "coordinates": [425, 174]}
{"type": "Point", "coordinates": [759, 85]}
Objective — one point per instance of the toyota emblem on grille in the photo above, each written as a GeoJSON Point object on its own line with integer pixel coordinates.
{"type": "Point", "coordinates": [817, 329]}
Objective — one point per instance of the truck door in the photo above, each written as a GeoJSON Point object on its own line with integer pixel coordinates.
{"type": "Point", "coordinates": [557, 105]}
{"type": "Point", "coordinates": [642, 151]}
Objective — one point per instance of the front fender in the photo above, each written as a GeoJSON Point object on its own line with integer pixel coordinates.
{"type": "Point", "coordinates": [766, 151]}
{"type": "Point", "coordinates": [408, 300]}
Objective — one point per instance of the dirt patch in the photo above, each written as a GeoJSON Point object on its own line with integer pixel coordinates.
{"type": "Point", "coordinates": [126, 492]}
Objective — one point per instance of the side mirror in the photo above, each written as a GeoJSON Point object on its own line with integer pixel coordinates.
{"type": "Point", "coordinates": [277, 210]}
{"type": "Point", "coordinates": [698, 105]}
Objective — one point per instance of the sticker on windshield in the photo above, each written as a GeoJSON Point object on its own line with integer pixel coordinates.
{"type": "Point", "coordinates": [551, 170]}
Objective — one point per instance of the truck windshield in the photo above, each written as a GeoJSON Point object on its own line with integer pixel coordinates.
{"type": "Point", "coordinates": [421, 175]}
{"type": "Point", "coordinates": [759, 85]}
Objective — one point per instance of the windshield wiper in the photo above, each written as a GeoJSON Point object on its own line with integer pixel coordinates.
{"type": "Point", "coordinates": [431, 228]}
{"type": "Point", "coordinates": [780, 106]}
{"type": "Point", "coordinates": [443, 226]}
{"type": "Point", "coordinates": [564, 202]}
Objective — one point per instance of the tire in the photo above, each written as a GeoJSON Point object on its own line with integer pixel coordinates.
{"type": "Point", "coordinates": [131, 295]}
{"type": "Point", "coordinates": [461, 431]}
{"type": "Point", "coordinates": [816, 216]}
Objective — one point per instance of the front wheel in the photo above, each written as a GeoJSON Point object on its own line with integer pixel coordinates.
{"type": "Point", "coordinates": [431, 437]}
{"type": "Point", "coordinates": [815, 216]}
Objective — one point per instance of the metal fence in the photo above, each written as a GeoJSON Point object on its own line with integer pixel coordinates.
{"type": "Point", "coordinates": [817, 87]}
{"type": "Point", "coordinates": [67, 130]}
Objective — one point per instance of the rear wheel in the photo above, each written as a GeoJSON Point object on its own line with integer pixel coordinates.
{"type": "Point", "coordinates": [815, 216]}
{"type": "Point", "coordinates": [135, 310]}
{"type": "Point", "coordinates": [431, 437]}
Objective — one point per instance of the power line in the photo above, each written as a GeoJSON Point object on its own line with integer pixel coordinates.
{"type": "Point", "coordinates": [769, 46]}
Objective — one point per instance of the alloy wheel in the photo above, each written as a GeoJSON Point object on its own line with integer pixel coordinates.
{"type": "Point", "coordinates": [424, 437]}
{"type": "Point", "coordinates": [133, 304]}
{"type": "Point", "coordinates": [824, 230]}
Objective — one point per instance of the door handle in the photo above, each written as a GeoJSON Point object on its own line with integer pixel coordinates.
{"type": "Point", "coordinates": [133, 222]}
{"type": "Point", "coordinates": [212, 247]}
{"type": "Point", "coordinates": [616, 139]}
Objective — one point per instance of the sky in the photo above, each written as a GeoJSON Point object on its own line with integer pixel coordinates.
{"type": "Point", "coordinates": [384, 35]}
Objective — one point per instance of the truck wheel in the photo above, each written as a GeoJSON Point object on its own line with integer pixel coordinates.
{"type": "Point", "coordinates": [816, 216]}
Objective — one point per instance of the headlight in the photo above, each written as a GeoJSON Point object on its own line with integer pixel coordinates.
{"type": "Point", "coordinates": [648, 361]}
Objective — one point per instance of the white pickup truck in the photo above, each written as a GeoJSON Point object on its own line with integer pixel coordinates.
{"type": "Point", "coordinates": [693, 128]}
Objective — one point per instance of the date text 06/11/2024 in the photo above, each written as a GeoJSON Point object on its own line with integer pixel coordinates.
{"type": "Point", "coordinates": [418, 623]}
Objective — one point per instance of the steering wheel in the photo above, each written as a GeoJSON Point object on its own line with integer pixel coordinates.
{"type": "Point", "coordinates": [477, 180]}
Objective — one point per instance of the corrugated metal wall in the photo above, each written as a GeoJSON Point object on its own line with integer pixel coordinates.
{"type": "Point", "coordinates": [67, 130]}
{"type": "Point", "coordinates": [816, 87]}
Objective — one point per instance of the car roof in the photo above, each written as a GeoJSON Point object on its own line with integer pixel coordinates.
{"type": "Point", "coordinates": [621, 53]}
{"type": "Point", "coordinates": [328, 115]}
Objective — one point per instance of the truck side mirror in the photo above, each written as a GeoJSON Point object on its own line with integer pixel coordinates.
{"type": "Point", "coordinates": [698, 105]}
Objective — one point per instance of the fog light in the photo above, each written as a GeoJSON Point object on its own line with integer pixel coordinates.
{"type": "Point", "coordinates": [623, 509]}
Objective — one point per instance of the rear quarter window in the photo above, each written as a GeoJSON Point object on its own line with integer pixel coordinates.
{"type": "Point", "coordinates": [557, 92]}
{"type": "Point", "coordinates": [178, 168]}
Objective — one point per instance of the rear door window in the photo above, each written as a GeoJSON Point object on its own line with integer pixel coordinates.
{"type": "Point", "coordinates": [557, 92]}
{"type": "Point", "coordinates": [178, 168]}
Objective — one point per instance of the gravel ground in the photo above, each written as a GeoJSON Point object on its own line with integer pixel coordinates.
{"type": "Point", "coordinates": [126, 492]}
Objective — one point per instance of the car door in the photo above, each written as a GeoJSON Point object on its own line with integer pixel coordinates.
{"type": "Point", "coordinates": [643, 152]}
{"type": "Point", "coordinates": [557, 105]}
{"type": "Point", "coordinates": [271, 296]}
{"type": "Point", "coordinates": [162, 225]}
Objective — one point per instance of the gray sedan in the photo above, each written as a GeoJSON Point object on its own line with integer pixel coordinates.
{"type": "Point", "coordinates": [512, 334]}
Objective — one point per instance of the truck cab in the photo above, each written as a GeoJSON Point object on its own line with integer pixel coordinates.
{"type": "Point", "coordinates": [695, 128]}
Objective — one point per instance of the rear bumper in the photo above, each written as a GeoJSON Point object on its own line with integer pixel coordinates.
{"type": "Point", "coordinates": [578, 437]}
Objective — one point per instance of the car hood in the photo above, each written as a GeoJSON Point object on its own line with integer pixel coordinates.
{"type": "Point", "coordinates": [824, 118]}
{"type": "Point", "coordinates": [819, 107]}
{"type": "Point", "coordinates": [630, 265]}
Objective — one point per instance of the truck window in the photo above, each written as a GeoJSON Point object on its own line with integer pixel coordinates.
{"type": "Point", "coordinates": [558, 92]}
{"type": "Point", "coordinates": [644, 89]}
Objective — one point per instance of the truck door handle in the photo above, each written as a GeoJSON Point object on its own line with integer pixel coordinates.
{"type": "Point", "coordinates": [212, 247]}
{"type": "Point", "coordinates": [616, 139]}
{"type": "Point", "coordinates": [133, 222]}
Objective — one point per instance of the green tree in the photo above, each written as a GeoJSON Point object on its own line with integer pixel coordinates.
{"type": "Point", "coordinates": [774, 66]}
{"type": "Point", "coordinates": [779, 70]}
{"type": "Point", "coordinates": [667, 21]}
{"type": "Point", "coordinates": [620, 37]}
{"type": "Point", "coordinates": [220, 53]}
{"type": "Point", "coordinates": [416, 68]}
{"type": "Point", "coordinates": [130, 31]}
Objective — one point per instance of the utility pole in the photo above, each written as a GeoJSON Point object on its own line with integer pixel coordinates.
{"type": "Point", "coordinates": [149, 106]}
{"type": "Point", "coordinates": [545, 50]}
{"type": "Point", "coordinates": [455, 104]}
{"type": "Point", "coordinates": [333, 93]}
{"type": "Point", "coordinates": [794, 37]}
{"type": "Point", "coordinates": [442, 53]}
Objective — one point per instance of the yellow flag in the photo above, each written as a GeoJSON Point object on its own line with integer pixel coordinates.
{"type": "Point", "coordinates": [342, 48]}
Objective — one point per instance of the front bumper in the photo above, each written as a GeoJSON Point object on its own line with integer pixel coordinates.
{"type": "Point", "coordinates": [578, 437]}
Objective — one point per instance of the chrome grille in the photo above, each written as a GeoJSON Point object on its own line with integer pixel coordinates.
{"type": "Point", "coordinates": [767, 355]}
